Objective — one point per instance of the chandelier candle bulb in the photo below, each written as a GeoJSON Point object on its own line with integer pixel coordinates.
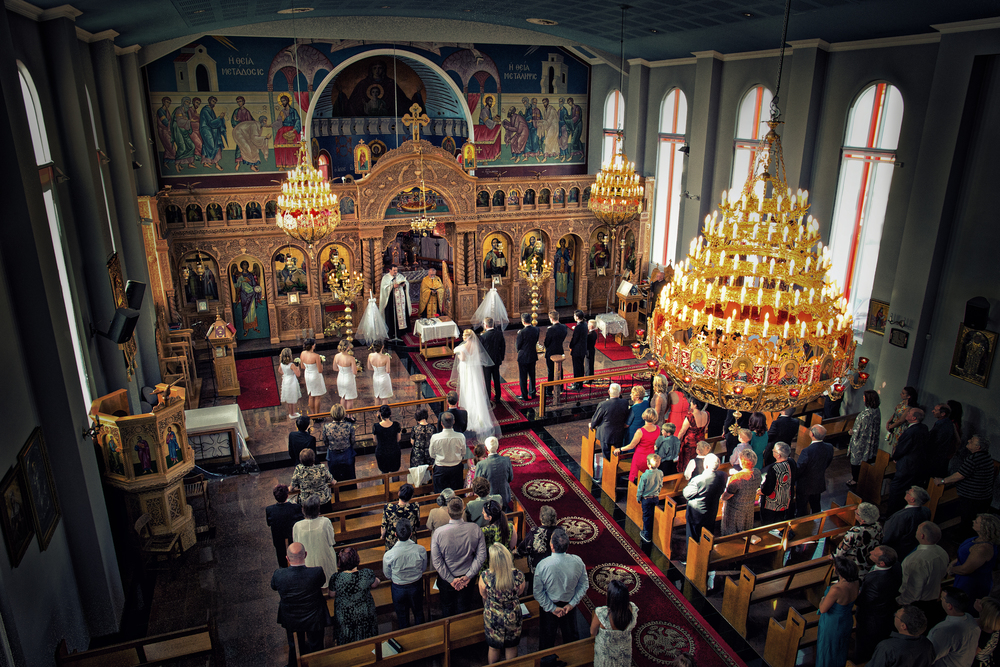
{"type": "Point", "coordinates": [772, 260]}
{"type": "Point", "coordinates": [743, 295]}
{"type": "Point", "coordinates": [797, 294]}
{"type": "Point", "coordinates": [711, 322]}
{"type": "Point", "coordinates": [785, 336]}
{"type": "Point", "coordinates": [746, 328]}
{"type": "Point", "coordinates": [784, 235]}
{"type": "Point", "coordinates": [802, 334]}
{"type": "Point", "coordinates": [760, 296]}
{"type": "Point", "coordinates": [729, 325]}
{"type": "Point", "coordinates": [777, 300]}
{"type": "Point", "coordinates": [725, 290]}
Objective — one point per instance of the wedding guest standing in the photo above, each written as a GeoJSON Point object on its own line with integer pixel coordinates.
{"type": "Point", "coordinates": [554, 337]}
{"type": "Point", "coordinates": [401, 510]}
{"type": "Point", "coordinates": [639, 405]}
{"type": "Point", "coordinates": [897, 423]}
{"type": "Point", "coordinates": [591, 346]}
{"type": "Point", "coordinates": [290, 391]}
{"type": "Point", "coordinates": [693, 430]}
{"type": "Point", "coordinates": [495, 346]}
{"type": "Point", "coordinates": [612, 626]}
{"type": "Point", "coordinates": [300, 438]}
{"type": "Point", "coordinates": [404, 565]}
{"type": "Point", "coordinates": [578, 350]}
{"type": "Point", "coordinates": [420, 439]}
{"type": "Point", "coordinates": [339, 436]}
{"type": "Point", "coordinates": [386, 434]}
{"type": "Point", "coordinates": [303, 606]}
{"type": "Point", "coordinates": [777, 486]}
{"type": "Point", "coordinates": [836, 618]}
{"type": "Point", "coordinates": [500, 585]}
{"type": "Point", "coordinates": [354, 606]}
{"type": "Point", "coordinates": [315, 533]}
{"type": "Point", "coordinates": [977, 556]}
{"type": "Point", "coordinates": [877, 602]}
{"type": "Point", "coordinates": [281, 516]}
{"type": "Point", "coordinates": [862, 538]}
{"type": "Point", "coordinates": [865, 435]}
{"type": "Point", "coordinates": [643, 442]}
{"type": "Point", "coordinates": [740, 495]}
{"type": "Point", "coordinates": [310, 480]}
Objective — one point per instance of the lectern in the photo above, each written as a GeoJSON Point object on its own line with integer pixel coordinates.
{"type": "Point", "coordinates": [222, 341]}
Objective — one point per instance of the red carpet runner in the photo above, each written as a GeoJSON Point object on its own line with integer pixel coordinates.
{"type": "Point", "coordinates": [258, 384]}
{"type": "Point", "coordinates": [667, 623]}
{"type": "Point", "coordinates": [438, 372]}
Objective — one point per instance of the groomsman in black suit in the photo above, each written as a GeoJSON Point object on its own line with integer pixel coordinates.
{"type": "Point", "coordinates": [496, 347]}
{"type": "Point", "coordinates": [554, 337]}
{"type": "Point", "coordinates": [591, 346]}
{"type": "Point", "coordinates": [578, 348]}
{"type": "Point", "coordinates": [527, 356]}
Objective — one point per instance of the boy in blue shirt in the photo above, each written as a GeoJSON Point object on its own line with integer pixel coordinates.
{"type": "Point", "coordinates": [668, 446]}
{"type": "Point", "coordinates": [648, 494]}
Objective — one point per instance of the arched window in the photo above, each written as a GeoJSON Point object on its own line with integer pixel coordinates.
{"type": "Point", "coordinates": [323, 164]}
{"type": "Point", "coordinates": [751, 126]}
{"type": "Point", "coordinates": [201, 79]}
{"type": "Point", "coordinates": [40, 143]}
{"type": "Point", "coordinates": [669, 171]}
{"type": "Point", "coordinates": [866, 168]}
{"type": "Point", "coordinates": [614, 120]}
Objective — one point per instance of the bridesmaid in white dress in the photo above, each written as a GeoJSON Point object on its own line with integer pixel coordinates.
{"type": "Point", "coordinates": [347, 366]}
{"type": "Point", "coordinates": [290, 392]}
{"type": "Point", "coordinates": [378, 361]}
{"type": "Point", "coordinates": [313, 365]}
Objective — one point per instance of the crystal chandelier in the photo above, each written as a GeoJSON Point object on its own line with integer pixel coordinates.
{"type": "Point", "coordinates": [750, 319]}
{"type": "Point", "coordinates": [422, 224]}
{"type": "Point", "coordinates": [307, 210]}
{"type": "Point", "coordinates": [616, 196]}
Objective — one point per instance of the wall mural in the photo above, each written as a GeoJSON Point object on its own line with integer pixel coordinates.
{"type": "Point", "coordinates": [291, 271]}
{"type": "Point", "coordinates": [235, 106]}
{"type": "Point", "coordinates": [564, 270]}
{"type": "Point", "coordinates": [336, 260]}
{"type": "Point", "coordinates": [246, 276]}
{"type": "Point", "coordinates": [410, 202]}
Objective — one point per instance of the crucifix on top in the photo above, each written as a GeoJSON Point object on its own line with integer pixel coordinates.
{"type": "Point", "coordinates": [415, 119]}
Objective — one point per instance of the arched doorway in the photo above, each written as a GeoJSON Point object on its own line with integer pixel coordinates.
{"type": "Point", "coordinates": [416, 255]}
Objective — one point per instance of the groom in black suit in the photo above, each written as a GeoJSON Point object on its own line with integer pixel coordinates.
{"type": "Point", "coordinates": [495, 346]}
{"type": "Point", "coordinates": [527, 355]}
{"type": "Point", "coordinates": [302, 608]}
{"type": "Point", "coordinates": [554, 337]}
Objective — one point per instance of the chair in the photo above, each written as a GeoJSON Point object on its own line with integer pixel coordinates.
{"type": "Point", "coordinates": [153, 547]}
{"type": "Point", "coordinates": [196, 487]}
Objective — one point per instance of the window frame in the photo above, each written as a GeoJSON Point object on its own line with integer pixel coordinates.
{"type": "Point", "coordinates": [671, 142]}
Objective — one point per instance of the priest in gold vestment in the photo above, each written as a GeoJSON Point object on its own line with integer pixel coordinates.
{"type": "Point", "coordinates": [431, 294]}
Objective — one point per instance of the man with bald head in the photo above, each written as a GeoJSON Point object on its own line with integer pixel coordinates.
{"type": "Point", "coordinates": [302, 608]}
{"type": "Point", "coordinates": [812, 464]}
{"type": "Point", "coordinates": [912, 456]}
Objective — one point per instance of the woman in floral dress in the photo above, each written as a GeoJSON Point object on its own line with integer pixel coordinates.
{"type": "Point", "coordinates": [402, 509]}
{"type": "Point", "coordinates": [612, 626]}
{"type": "Point", "coordinates": [864, 435]}
{"type": "Point", "coordinates": [862, 538]}
{"type": "Point", "coordinates": [897, 423]}
{"type": "Point", "coordinates": [740, 495]}
{"type": "Point", "coordinates": [354, 606]}
{"type": "Point", "coordinates": [420, 438]}
{"type": "Point", "coordinates": [501, 585]}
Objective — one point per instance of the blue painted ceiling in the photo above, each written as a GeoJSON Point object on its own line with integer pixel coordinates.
{"type": "Point", "coordinates": [655, 29]}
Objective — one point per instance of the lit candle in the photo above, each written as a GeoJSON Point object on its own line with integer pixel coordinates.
{"type": "Point", "coordinates": [772, 260]}
{"type": "Point", "coordinates": [729, 324]}
{"type": "Point", "coordinates": [812, 293]}
{"type": "Point", "coordinates": [786, 330]}
{"type": "Point", "coordinates": [803, 333]}
{"type": "Point", "coordinates": [777, 300]}
{"type": "Point", "coordinates": [725, 196]}
{"type": "Point", "coordinates": [723, 299]}
{"type": "Point", "coordinates": [808, 262]}
{"type": "Point", "coordinates": [684, 314]}
{"type": "Point", "coordinates": [784, 234]}
{"type": "Point", "coordinates": [819, 328]}
{"type": "Point", "coordinates": [755, 231]}
{"type": "Point", "coordinates": [767, 321]}
{"type": "Point", "coordinates": [797, 294]}
{"type": "Point", "coordinates": [746, 327]}
{"type": "Point", "coordinates": [736, 261]}
{"type": "Point", "coordinates": [711, 322]}
{"type": "Point", "coordinates": [694, 318]}
{"type": "Point", "coordinates": [791, 267]}
{"type": "Point", "coordinates": [743, 295]}
{"type": "Point", "coordinates": [760, 296]}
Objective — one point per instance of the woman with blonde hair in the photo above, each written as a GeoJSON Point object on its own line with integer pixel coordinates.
{"type": "Point", "coordinates": [501, 585]}
{"type": "Point", "coordinates": [973, 569]}
{"type": "Point", "coordinates": [659, 401]}
{"type": "Point", "coordinates": [741, 492]}
{"type": "Point", "coordinates": [378, 361]}
{"type": "Point", "coordinates": [290, 391]}
{"type": "Point", "coordinates": [313, 366]}
{"type": "Point", "coordinates": [347, 368]}
{"type": "Point", "coordinates": [639, 405]}
{"type": "Point", "coordinates": [989, 623]}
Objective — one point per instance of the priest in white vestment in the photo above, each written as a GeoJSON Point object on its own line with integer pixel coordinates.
{"type": "Point", "coordinates": [394, 302]}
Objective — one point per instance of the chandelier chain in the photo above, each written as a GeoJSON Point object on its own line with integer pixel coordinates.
{"type": "Point", "coordinates": [775, 112]}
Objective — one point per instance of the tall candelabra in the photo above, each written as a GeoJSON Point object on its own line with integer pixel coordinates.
{"type": "Point", "coordinates": [345, 288]}
{"type": "Point", "coordinates": [534, 272]}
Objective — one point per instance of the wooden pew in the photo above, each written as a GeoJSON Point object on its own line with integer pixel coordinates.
{"type": "Point", "coordinates": [712, 553]}
{"type": "Point", "coordinates": [373, 490]}
{"type": "Point", "coordinates": [371, 551]}
{"type": "Point", "coordinates": [836, 430]}
{"type": "Point", "coordinates": [748, 588]}
{"type": "Point", "coordinates": [871, 481]}
{"type": "Point", "coordinates": [577, 654]}
{"type": "Point", "coordinates": [618, 465]}
{"type": "Point", "coordinates": [201, 640]}
{"type": "Point", "coordinates": [437, 638]}
{"type": "Point", "coordinates": [785, 639]}
{"type": "Point", "coordinates": [364, 523]}
{"type": "Point", "coordinates": [673, 514]}
{"type": "Point", "coordinates": [589, 445]}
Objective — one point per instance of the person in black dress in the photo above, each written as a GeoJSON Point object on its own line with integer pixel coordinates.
{"type": "Point", "coordinates": [386, 441]}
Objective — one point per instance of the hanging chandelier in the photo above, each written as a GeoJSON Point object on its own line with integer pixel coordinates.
{"type": "Point", "coordinates": [307, 210]}
{"type": "Point", "coordinates": [423, 224]}
{"type": "Point", "coordinates": [750, 319]}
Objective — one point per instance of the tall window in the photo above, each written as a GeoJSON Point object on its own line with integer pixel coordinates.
{"type": "Point", "coordinates": [751, 126]}
{"type": "Point", "coordinates": [669, 171]}
{"type": "Point", "coordinates": [866, 168]}
{"type": "Point", "coordinates": [40, 143]}
{"type": "Point", "coordinates": [614, 120]}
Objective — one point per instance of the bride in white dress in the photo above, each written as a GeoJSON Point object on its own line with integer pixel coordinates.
{"type": "Point", "coordinates": [467, 374]}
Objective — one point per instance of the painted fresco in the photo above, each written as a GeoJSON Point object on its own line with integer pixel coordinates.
{"type": "Point", "coordinates": [564, 270]}
{"type": "Point", "coordinates": [246, 276]}
{"type": "Point", "coordinates": [229, 106]}
{"type": "Point", "coordinates": [410, 202]}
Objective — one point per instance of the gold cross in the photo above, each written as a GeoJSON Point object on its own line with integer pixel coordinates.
{"type": "Point", "coordinates": [416, 119]}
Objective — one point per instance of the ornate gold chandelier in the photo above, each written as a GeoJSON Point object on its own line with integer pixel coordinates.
{"type": "Point", "coordinates": [307, 210]}
{"type": "Point", "coordinates": [749, 320]}
{"type": "Point", "coordinates": [616, 196]}
{"type": "Point", "coordinates": [422, 224]}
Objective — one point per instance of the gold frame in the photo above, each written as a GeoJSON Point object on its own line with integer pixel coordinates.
{"type": "Point", "coordinates": [956, 371]}
{"type": "Point", "coordinates": [868, 319]}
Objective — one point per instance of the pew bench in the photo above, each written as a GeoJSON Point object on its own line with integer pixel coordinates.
{"type": "Point", "coordinates": [672, 515]}
{"type": "Point", "coordinates": [363, 523]}
{"type": "Point", "coordinates": [838, 433]}
{"type": "Point", "coordinates": [748, 588]}
{"type": "Point", "coordinates": [873, 477]}
{"type": "Point", "coordinates": [577, 654]}
{"type": "Point", "coordinates": [193, 642]}
{"type": "Point", "coordinates": [622, 465]}
{"type": "Point", "coordinates": [708, 552]}
{"type": "Point", "coordinates": [437, 638]}
{"type": "Point", "coordinates": [785, 640]}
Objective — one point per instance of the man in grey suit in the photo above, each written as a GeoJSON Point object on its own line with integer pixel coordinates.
{"type": "Point", "coordinates": [609, 422]}
{"type": "Point", "coordinates": [812, 464]}
{"type": "Point", "coordinates": [498, 470]}
{"type": "Point", "coordinates": [703, 493]}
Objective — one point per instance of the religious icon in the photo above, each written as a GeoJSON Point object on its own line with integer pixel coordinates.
{"type": "Point", "coordinates": [826, 368]}
{"type": "Point", "coordinates": [174, 454]}
{"type": "Point", "coordinates": [699, 360]}
{"type": "Point", "coordinates": [249, 304]}
{"type": "Point", "coordinates": [499, 198]}
{"type": "Point", "coordinates": [628, 262]}
{"type": "Point", "coordinates": [234, 211]}
{"type": "Point", "coordinates": [787, 373]}
{"type": "Point", "coordinates": [143, 461]}
{"type": "Point", "coordinates": [362, 157]}
{"type": "Point", "coordinates": [199, 275]}
{"type": "Point", "coordinates": [346, 206]}
{"type": "Point", "coordinates": [559, 197]}
{"type": "Point", "coordinates": [271, 209]}
{"type": "Point", "coordinates": [116, 463]}
{"type": "Point", "coordinates": [194, 213]}
{"type": "Point", "coordinates": [494, 259]}
{"type": "Point", "coordinates": [17, 526]}
{"type": "Point", "coordinates": [378, 150]}
{"type": "Point", "coordinates": [174, 214]}
{"type": "Point", "coordinates": [544, 197]}
{"type": "Point", "coordinates": [973, 355]}
{"type": "Point", "coordinates": [214, 213]}
{"type": "Point", "coordinates": [742, 370]}
{"type": "Point", "coordinates": [529, 197]}
{"type": "Point", "coordinates": [574, 195]}
{"type": "Point", "coordinates": [253, 211]}
{"type": "Point", "coordinates": [514, 198]}
{"type": "Point", "coordinates": [564, 271]}
{"type": "Point", "coordinates": [600, 255]}
{"type": "Point", "coordinates": [533, 248]}
{"type": "Point", "coordinates": [878, 313]}
{"type": "Point", "coordinates": [483, 199]}
{"type": "Point", "coordinates": [468, 156]}
{"type": "Point", "coordinates": [290, 271]}
{"type": "Point", "coordinates": [334, 260]}
{"type": "Point", "coordinates": [448, 144]}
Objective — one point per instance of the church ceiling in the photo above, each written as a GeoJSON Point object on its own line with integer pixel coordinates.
{"type": "Point", "coordinates": [655, 29]}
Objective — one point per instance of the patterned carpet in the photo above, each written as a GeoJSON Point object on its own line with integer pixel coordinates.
{"type": "Point", "coordinates": [667, 623]}
{"type": "Point", "coordinates": [438, 372]}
